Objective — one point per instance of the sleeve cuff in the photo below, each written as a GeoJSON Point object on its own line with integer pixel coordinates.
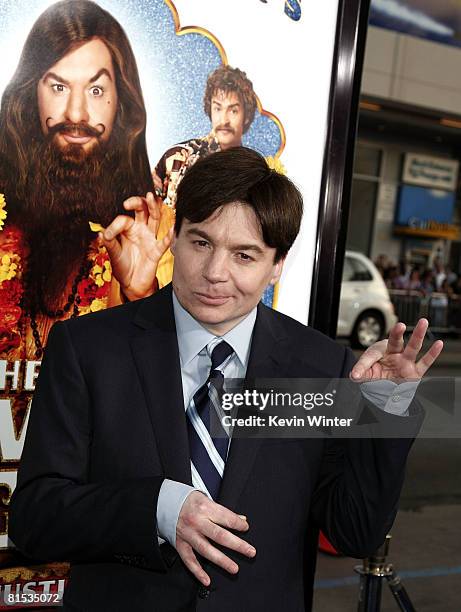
{"type": "Point", "coordinates": [389, 396]}
{"type": "Point", "coordinates": [171, 497]}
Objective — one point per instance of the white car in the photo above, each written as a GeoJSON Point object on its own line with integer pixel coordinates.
{"type": "Point", "coordinates": [366, 312]}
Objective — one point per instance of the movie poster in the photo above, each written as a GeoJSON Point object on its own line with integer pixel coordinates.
{"type": "Point", "coordinates": [80, 133]}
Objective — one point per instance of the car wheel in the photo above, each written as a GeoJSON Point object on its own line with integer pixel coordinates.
{"type": "Point", "coordinates": [368, 329]}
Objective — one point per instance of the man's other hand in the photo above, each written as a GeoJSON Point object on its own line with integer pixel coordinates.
{"type": "Point", "coordinates": [392, 360]}
{"type": "Point", "coordinates": [202, 521]}
{"type": "Point", "coordinates": [133, 247]}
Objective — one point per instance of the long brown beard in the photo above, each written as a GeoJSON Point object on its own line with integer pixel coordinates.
{"type": "Point", "coordinates": [66, 189]}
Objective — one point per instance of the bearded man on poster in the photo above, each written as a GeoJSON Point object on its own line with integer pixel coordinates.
{"type": "Point", "coordinates": [72, 147]}
{"type": "Point", "coordinates": [72, 151]}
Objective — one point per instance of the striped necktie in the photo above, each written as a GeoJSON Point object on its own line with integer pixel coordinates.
{"type": "Point", "coordinates": [207, 453]}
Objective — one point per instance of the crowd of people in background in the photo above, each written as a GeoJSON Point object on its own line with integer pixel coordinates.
{"type": "Point", "coordinates": [439, 278]}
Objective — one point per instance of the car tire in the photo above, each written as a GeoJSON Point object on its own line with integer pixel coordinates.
{"type": "Point", "coordinates": [368, 329]}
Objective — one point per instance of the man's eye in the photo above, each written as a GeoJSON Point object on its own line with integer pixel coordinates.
{"type": "Point", "coordinates": [97, 91]}
{"type": "Point", "coordinates": [58, 87]}
{"type": "Point", "coordinates": [201, 243]}
{"type": "Point", "coordinates": [244, 257]}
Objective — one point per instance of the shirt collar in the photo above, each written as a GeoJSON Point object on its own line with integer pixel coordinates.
{"type": "Point", "coordinates": [193, 337]}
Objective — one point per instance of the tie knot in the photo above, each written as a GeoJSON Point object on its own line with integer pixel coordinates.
{"type": "Point", "coordinates": [220, 353]}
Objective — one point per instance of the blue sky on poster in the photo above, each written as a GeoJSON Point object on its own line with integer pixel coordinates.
{"type": "Point", "coordinates": [173, 70]}
{"type": "Point", "coordinates": [435, 20]}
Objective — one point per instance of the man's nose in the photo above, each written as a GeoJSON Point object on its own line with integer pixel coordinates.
{"type": "Point", "coordinates": [216, 268]}
{"type": "Point", "coordinates": [76, 109]}
{"type": "Point", "coordinates": [222, 117]}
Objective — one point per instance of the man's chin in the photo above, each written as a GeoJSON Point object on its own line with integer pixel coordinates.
{"type": "Point", "coordinates": [74, 150]}
{"type": "Point", "coordinates": [226, 140]}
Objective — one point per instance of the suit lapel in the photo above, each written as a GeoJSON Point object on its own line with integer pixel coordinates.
{"type": "Point", "coordinates": [267, 360]}
{"type": "Point", "coordinates": [156, 355]}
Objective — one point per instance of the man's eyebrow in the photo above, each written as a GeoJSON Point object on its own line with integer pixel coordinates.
{"type": "Point", "coordinates": [100, 73]}
{"type": "Point", "coordinates": [237, 247]}
{"type": "Point", "coordinates": [56, 77]}
{"type": "Point", "coordinates": [192, 231]}
{"type": "Point", "coordinates": [248, 247]}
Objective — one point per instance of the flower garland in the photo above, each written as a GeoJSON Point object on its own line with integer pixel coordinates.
{"type": "Point", "coordinates": [92, 292]}
{"type": "Point", "coordinates": [274, 163]}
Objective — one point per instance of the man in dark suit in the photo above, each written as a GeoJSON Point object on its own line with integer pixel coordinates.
{"type": "Point", "coordinates": [120, 473]}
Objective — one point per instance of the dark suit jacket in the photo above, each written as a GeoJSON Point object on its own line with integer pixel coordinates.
{"type": "Point", "coordinates": [108, 425]}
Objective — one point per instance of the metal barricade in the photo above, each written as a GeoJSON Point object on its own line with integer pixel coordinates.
{"type": "Point", "coordinates": [442, 311]}
{"type": "Point", "coordinates": [454, 313]}
{"type": "Point", "coordinates": [407, 305]}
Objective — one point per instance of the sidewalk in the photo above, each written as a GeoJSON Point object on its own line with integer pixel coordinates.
{"type": "Point", "coordinates": [426, 544]}
{"type": "Point", "coordinates": [426, 553]}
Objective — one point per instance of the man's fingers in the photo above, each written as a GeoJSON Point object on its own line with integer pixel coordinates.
{"type": "Point", "coordinates": [113, 247]}
{"type": "Point", "coordinates": [189, 559]}
{"type": "Point", "coordinates": [202, 523]}
{"type": "Point", "coordinates": [164, 243]}
{"type": "Point", "coordinates": [198, 506]}
{"type": "Point", "coordinates": [368, 359]}
{"type": "Point", "coordinates": [139, 206]}
{"type": "Point", "coordinates": [206, 550]}
{"type": "Point", "coordinates": [225, 538]}
{"type": "Point", "coordinates": [395, 343]}
{"type": "Point", "coordinates": [154, 211]}
{"type": "Point", "coordinates": [428, 359]}
{"type": "Point", "coordinates": [416, 339]}
{"type": "Point", "coordinates": [228, 519]}
{"type": "Point", "coordinates": [120, 224]}
{"type": "Point", "coordinates": [154, 205]}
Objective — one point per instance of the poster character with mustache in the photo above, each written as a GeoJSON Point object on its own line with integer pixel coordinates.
{"type": "Point", "coordinates": [230, 103]}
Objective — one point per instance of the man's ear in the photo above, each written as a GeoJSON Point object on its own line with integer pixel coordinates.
{"type": "Point", "coordinates": [277, 272]}
{"type": "Point", "coordinates": [173, 242]}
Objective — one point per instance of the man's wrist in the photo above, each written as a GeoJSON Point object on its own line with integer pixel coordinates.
{"type": "Point", "coordinates": [129, 296]}
{"type": "Point", "coordinates": [171, 498]}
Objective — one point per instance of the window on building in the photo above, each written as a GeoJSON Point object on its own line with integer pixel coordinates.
{"type": "Point", "coordinates": [367, 174]}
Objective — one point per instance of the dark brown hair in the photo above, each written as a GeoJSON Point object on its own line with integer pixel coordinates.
{"type": "Point", "coordinates": [229, 79]}
{"type": "Point", "coordinates": [242, 175]}
{"type": "Point", "coordinates": [60, 29]}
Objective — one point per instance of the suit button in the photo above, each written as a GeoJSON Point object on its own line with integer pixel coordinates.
{"type": "Point", "coordinates": [203, 592]}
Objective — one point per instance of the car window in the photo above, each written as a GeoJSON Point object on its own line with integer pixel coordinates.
{"type": "Point", "coordinates": [348, 270]}
{"type": "Point", "coordinates": [360, 271]}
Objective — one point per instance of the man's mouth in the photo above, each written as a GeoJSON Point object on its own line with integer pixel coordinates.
{"type": "Point", "coordinates": [76, 133]}
{"type": "Point", "coordinates": [212, 300]}
{"type": "Point", "coordinates": [76, 137]}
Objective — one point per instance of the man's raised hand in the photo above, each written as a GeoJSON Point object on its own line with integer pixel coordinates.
{"type": "Point", "coordinates": [203, 521]}
{"type": "Point", "coordinates": [392, 360]}
{"type": "Point", "coordinates": [133, 247]}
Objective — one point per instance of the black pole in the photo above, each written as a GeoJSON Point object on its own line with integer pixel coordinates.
{"type": "Point", "coordinates": [337, 164]}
